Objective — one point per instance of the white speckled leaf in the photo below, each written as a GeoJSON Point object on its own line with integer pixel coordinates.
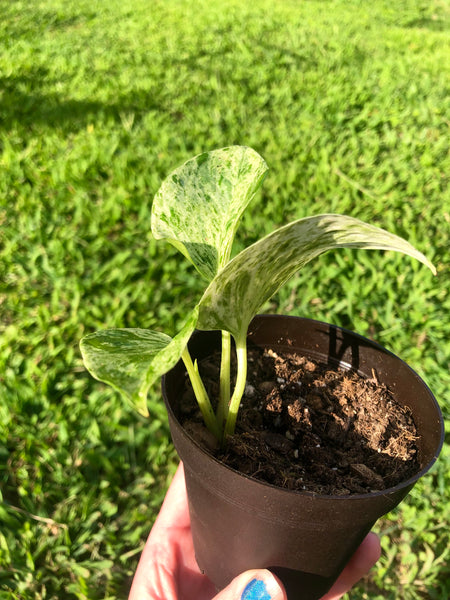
{"type": "Point", "coordinates": [253, 276]}
{"type": "Point", "coordinates": [199, 205]}
{"type": "Point", "coordinates": [130, 360]}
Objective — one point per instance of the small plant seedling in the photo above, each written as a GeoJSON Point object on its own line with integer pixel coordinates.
{"type": "Point", "coordinates": [197, 209]}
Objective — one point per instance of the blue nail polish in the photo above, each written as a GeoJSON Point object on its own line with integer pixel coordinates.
{"type": "Point", "coordinates": [255, 590]}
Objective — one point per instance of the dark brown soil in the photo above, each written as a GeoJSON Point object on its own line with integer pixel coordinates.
{"type": "Point", "coordinates": [303, 425]}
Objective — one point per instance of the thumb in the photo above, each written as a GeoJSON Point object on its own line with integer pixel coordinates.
{"type": "Point", "coordinates": [258, 584]}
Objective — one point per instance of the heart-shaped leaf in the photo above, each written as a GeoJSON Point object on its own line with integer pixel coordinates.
{"type": "Point", "coordinates": [198, 207]}
{"type": "Point", "coordinates": [239, 290]}
{"type": "Point", "coordinates": [130, 360]}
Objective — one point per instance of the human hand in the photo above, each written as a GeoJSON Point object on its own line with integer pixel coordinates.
{"type": "Point", "coordinates": [167, 569]}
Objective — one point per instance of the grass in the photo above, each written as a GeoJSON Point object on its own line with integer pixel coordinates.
{"type": "Point", "coordinates": [347, 102]}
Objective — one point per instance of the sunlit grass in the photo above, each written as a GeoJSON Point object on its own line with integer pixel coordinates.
{"type": "Point", "coordinates": [348, 104]}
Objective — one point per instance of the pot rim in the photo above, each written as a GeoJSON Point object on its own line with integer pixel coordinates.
{"type": "Point", "coordinates": [324, 497]}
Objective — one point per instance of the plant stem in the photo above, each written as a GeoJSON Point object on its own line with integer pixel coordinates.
{"type": "Point", "coordinates": [201, 395]}
{"type": "Point", "coordinates": [224, 397]}
{"type": "Point", "coordinates": [241, 378]}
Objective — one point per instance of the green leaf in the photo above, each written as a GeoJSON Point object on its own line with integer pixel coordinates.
{"type": "Point", "coordinates": [131, 360]}
{"type": "Point", "coordinates": [199, 205]}
{"type": "Point", "coordinates": [239, 290]}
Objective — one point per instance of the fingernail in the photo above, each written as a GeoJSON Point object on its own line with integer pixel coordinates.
{"type": "Point", "coordinates": [256, 589]}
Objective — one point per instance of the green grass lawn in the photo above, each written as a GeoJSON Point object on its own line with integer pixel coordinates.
{"type": "Point", "coordinates": [347, 101]}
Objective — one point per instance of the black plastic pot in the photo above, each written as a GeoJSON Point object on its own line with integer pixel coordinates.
{"type": "Point", "coordinates": [239, 523]}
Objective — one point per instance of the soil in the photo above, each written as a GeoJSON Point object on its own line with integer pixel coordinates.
{"type": "Point", "coordinates": [305, 425]}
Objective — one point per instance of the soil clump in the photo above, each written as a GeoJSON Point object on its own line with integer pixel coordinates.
{"type": "Point", "coordinates": [308, 426]}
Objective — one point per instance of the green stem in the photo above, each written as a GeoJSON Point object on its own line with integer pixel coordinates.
{"type": "Point", "coordinates": [241, 378]}
{"type": "Point", "coordinates": [201, 395]}
{"type": "Point", "coordinates": [224, 397]}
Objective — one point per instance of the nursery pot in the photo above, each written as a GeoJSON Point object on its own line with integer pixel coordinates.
{"type": "Point", "coordinates": [239, 523]}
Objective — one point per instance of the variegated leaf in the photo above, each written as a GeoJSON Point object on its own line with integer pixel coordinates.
{"type": "Point", "coordinates": [199, 205]}
{"type": "Point", "coordinates": [253, 276]}
{"type": "Point", "coordinates": [130, 360]}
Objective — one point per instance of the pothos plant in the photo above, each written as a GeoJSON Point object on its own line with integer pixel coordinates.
{"type": "Point", "coordinates": [197, 209]}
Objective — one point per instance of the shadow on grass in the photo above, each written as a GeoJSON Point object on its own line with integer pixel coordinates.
{"type": "Point", "coordinates": [428, 23]}
{"type": "Point", "coordinates": [25, 103]}
{"type": "Point", "coordinates": [29, 99]}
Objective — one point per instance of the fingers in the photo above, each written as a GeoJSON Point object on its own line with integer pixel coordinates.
{"type": "Point", "coordinates": [172, 532]}
{"type": "Point", "coordinates": [359, 565]}
{"type": "Point", "coordinates": [253, 585]}
{"type": "Point", "coordinates": [263, 585]}
{"type": "Point", "coordinates": [169, 548]}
